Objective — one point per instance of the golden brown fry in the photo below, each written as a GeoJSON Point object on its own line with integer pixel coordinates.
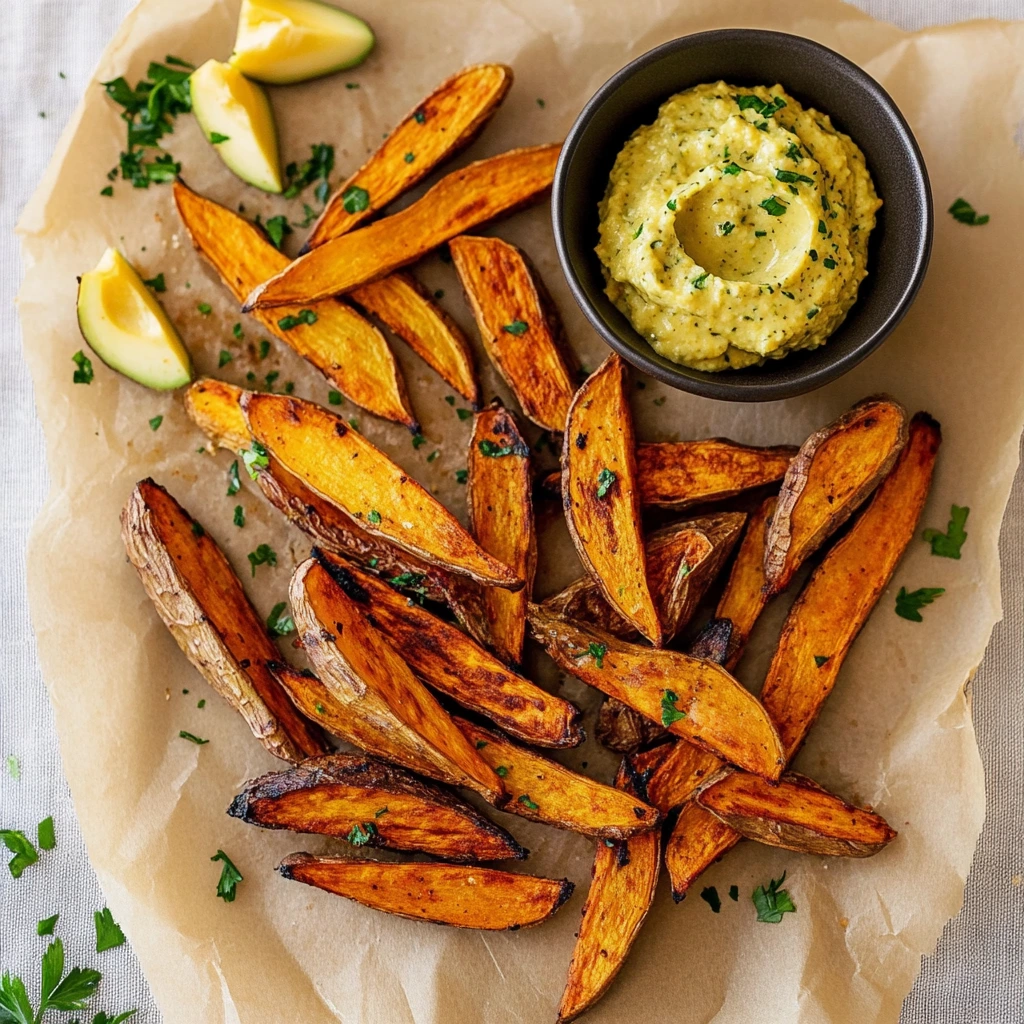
{"type": "Point", "coordinates": [835, 470]}
{"type": "Point", "coordinates": [460, 895]}
{"type": "Point", "coordinates": [358, 666]}
{"type": "Point", "coordinates": [795, 814]}
{"type": "Point", "coordinates": [449, 661]}
{"type": "Point", "coordinates": [343, 345]}
{"type": "Point", "coordinates": [501, 521]}
{"type": "Point", "coordinates": [718, 714]}
{"type": "Point", "coordinates": [202, 603]}
{"type": "Point", "coordinates": [443, 124]}
{"type": "Point", "coordinates": [624, 880]}
{"type": "Point", "coordinates": [543, 790]}
{"type": "Point", "coordinates": [345, 468]}
{"type": "Point", "coordinates": [745, 597]}
{"type": "Point", "coordinates": [373, 803]}
{"type": "Point", "coordinates": [599, 496]}
{"type": "Point", "coordinates": [519, 327]}
{"type": "Point", "coordinates": [404, 306]}
{"type": "Point", "coordinates": [460, 201]}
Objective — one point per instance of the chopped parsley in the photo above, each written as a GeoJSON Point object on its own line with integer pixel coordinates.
{"type": "Point", "coordinates": [528, 803]}
{"type": "Point", "coordinates": [374, 517]}
{"type": "Point", "coordinates": [304, 316]}
{"type": "Point", "coordinates": [360, 835]}
{"type": "Point", "coordinates": [495, 451]}
{"type": "Point", "coordinates": [671, 204]}
{"type": "Point", "coordinates": [669, 712]}
{"type": "Point", "coordinates": [420, 117]}
{"type": "Point", "coordinates": [517, 327]}
{"type": "Point", "coordinates": [480, 744]}
{"type": "Point", "coordinates": [812, 312]}
{"type": "Point", "coordinates": [790, 177]}
{"type": "Point", "coordinates": [596, 651]}
{"type": "Point", "coordinates": [732, 168]}
{"type": "Point", "coordinates": [605, 479]}
{"type": "Point", "coordinates": [205, 308]}
{"type": "Point", "coordinates": [46, 839]}
{"type": "Point", "coordinates": [234, 483]}
{"type": "Point", "coordinates": [216, 138]}
{"type": "Point", "coordinates": [230, 876]}
{"type": "Point", "coordinates": [197, 529]}
{"type": "Point", "coordinates": [318, 166]}
{"type": "Point", "coordinates": [760, 234]}
{"type": "Point", "coordinates": [772, 902]}
{"type": "Point", "coordinates": [58, 991]}
{"type": "Point", "coordinates": [418, 440]}
{"type": "Point", "coordinates": [433, 455]}
{"type": "Point", "coordinates": [108, 931]}
{"type": "Point", "coordinates": [773, 206]}
{"type": "Point", "coordinates": [158, 284]}
{"type": "Point", "coordinates": [822, 230]}
{"type": "Point", "coordinates": [760, 106]}
{"type": "Point", "coordinates": [963, 212]}
{"type": "Point", "coordinates": [829, 263]}
{"type": "Point", "coordinates": [711, 898]}
{"type": "Point", "coordinates": [154, 423]}
{"type": "Point", "coordinates": [793, 153]}
{"type": "Point", "coordinates": [734, 893]}
{"type": "Point", "coordinates": [84, 373]}
{"type": "Point", "coordinates": [464, 414]}
{"type": "Point", "coordinates": [13, 768]}
{"type": "Point", "coordinates": [45, 927]}
{"type": "Point", "coordinates": [277, 227]}
{"type": "Point", "coordinates": [409, 157]}
{"type": "Point", "coordinates": [501, 771]}
{"type": "Point", "coordinates": [461, 476]}
{"type": "Point", "coordinates": [909, 604]}
{"type": "Point", "coordinates": [636, 234]}
{"type": "Point", "coordinates": [279, 622]}
{"type": "Point", "coordinates": [107, 190]}
{"type": "Point", "coordinates": [263, 555]}
{"type": "Point", "coordinates": [948, 544]}
{"type": "Point", "coordinates": [264, 349]}
{"type": "Point", "coordinates": [21, 846]}
{"type": "Point", "coordinates": [254, 459]}
{"type": "Point", "coordinates": [224, 358]}
{"type": "Point", "coordinates": [700, 280]}
{"type": "Point", "coordinates": [192, 738]}
{"type": "Point", "coordinates": [355, 199]}
{"type": "Point", "coordinates": [813, 253]}
{"type": "Point", "coordinates": [239, 516]}
{"type": "Point", "coordinates": [726, 228]}
{"type": "Point", "coordinates": [820, 660]}
{"type": "Point", "coordinates": [334, 397]}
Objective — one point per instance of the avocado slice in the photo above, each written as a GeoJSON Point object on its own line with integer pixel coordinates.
{"type": "Point", "coordinates": [238, 120]}
{"type": "Point", "coordinates": [286, 41]}
{"type": "Point", "coordinates": [127, 328]}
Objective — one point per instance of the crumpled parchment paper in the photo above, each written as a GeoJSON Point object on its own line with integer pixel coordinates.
{"type": "Point", "coordinates": [896, 733]}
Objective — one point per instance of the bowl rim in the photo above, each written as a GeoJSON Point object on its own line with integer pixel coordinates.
{"type": "Point", "coordinates": [716, 385]}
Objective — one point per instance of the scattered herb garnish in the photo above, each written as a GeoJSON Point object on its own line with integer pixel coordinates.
{"type": "Point", "coordinates": [224, 358]}
{"type": "Point", "coordinates": [59, 991]}
{"type": "Point", "coordinates": [671, 204]}
{"type": "Point", "coordinates": [496, 451]}
{"type": "Point", "coordinates": [420, 117]}
{"type": "Point", "coordinates": [461, 476]}
{"type": "Point", "coordinates": [726, 228]}
{"type": "Point", "coordinates": [700, 280]}
{"type": "Point", "coordinates": [254, 459]}
{"type": "Point", "coordinates": [277, 227]}
{"type": "Point", "coordinates": [528, 803]}
{"type": "Point", "coordinates": [734, 893]}
{"type": "Point", "coordinates": [772, 902]}
{"type": "Point", "coordinates": [318, 166]}
{"type": "Point", "coordinates": [46, 838]}
{"type": "Point", "coordinates": [605, 479]}
{"type": "Point", "coordinates": [596, 651]}
{"type": "Point", "coordinates": [822, 229]}
{"type": "Point", "coordinates": [791, 176]}
{"type": "Point", "coordinates": [963, 212]}
{"type": "Point", "coordinates": [216, 138]}
{"type": "Point", "coordinates": [909, 605]}
{"type": "Point", "coordinates": [812, 312]}
{"type": "Point", "coordinates": [304, 316]}
{"type": "Point", "coordinates": [230, 876]}
{"type": "Point", "coordinates": [480, 744]}
{"type": "Point", "coordinates": [711, 898]}
{"type": "Point", "coordinates": [669, 712]}
{"type": "Point", "coordinates": [108, 931]}
{"type": "Point", "coordinates": [205, 308]}
{"type": "Point", "coordinates": [84, 374]}
{"type": "Point", "coordinates": [197, 529]}
{"type": "Point", "coordinates": [239, 517]}
{"type": "Point", "coordinates": [13, 768]}
{"type": "Point", "coordinates": [517, 327]}
{"type": "Point", "coordinates": [334, 397]}
{"type": "Point", "coordinates": [279, 622]}
{"type": "Point", "coordinates": [46, 926]}
{"type": "Point", "coordinates": [433, 455]}
{"type": "Point", "coordinates": [830, 264]}
{"type": "Point", "coordinates": [158, 284]}
{"type": "Point", "coordinates": [418, 440]}
{"type": "Point", "coordinates": [192, 738]}
{"type": "Point", "coordinates": [360, 835]}
{"type": "Point", "coordinates": [732, 168]}
{"type": "Point", "coordinates": [21, 846]}
{"type": "Point", "coordinates": [948, 544]}
{"type": "Point", "coordinates": [264, 349]}
{"type": "Point", "coordinates": [760, 234]}
{"type": "Point", "coordinates": [355, 199]}
{"type": "Point", "coordinates": [234, 483]}
{"type": "Point", "coordinates": [501, 771]}
{"type": "Point", "coordinates": [263, 555]}
{"type": "Point", "coordinates": [820, 660]}
{"type": "Point", "coordinates": [794, 154]}
{"type": "Point", "coordinates": [636, 234]}
{"type": "Point", "coordinates": [154, 423]}
{"type": "Point", "coordinates": [464, 414]}
{"type": "Point", "coordinates": [760, 106]}
{"type": "Point", "coordinates": [773, 206]}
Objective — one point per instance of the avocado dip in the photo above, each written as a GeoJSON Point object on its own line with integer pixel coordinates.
{"type": "Point", "coordinates": [735, 227]}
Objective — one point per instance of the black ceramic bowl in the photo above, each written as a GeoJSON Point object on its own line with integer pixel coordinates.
{"type": "Point", "coordinates": [817, 76]}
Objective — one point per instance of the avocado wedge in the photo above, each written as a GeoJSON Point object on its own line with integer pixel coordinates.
{"type": "Point", "coordinates": [287, 41]}
{"type": "Point", "coordinates": [237, 118]}
{"type": "Point", "coordinates": [128, 329]}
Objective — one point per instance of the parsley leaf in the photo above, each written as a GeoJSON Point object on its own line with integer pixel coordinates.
{"type": "Point", "coordinates": [46, 926]}
{"type": "Point", "coordinates": [596, 651]}
{"type": "Point", "coordinates": [734, 893]}
{"type": "Point", "coordinates": [726, 227]}
{"type": "Point", "coordinates": [496, 451]}
{"type": "Point", "coordinates": [669, 712]}
{"type": "Point", "coordinates": [821, 660]}
{"type": "Point", "coordinates": [45, 836]}
{"type": "Point", "coordinates": [948, 544]}
{"type": "Point", "coordinates": [700, 281]}
{"type": "Point", "coordinates": [84, 374]}
{"type": "Point", "coordinates": [158, 284]}
{"type": "Point", "coordinates": [102, 1018]}
{"type": "Point", "coordinates": [360, 835]}
{"type": "Point", "coordinates": [373, 517]}
{"type": "Point", "coordinates": [461, 476]}
{"type": "Point", "coordinates": [216, 138]}
{"type": "Point", "coordinates": [230, 876]}
{"type": "Point", "coordinates": [263, 555]}
{"type": "Point", "coordinates": [355, 199]}
{"type": "Point", "coordinates": [254, 459]}
{"type": "Point", "coordinates": [154, 423]}
{"type": "Point", "coordinates": [108, 931]}
{"type": "Point", "coordinates": [963, 212]}
{"type": "Point", "coordinates": [334, 397]}
{"type": "Point", "coordinates": [304, 316]}
{"type": "Point", "coordinates": [192, 738]}
{"type": "Point", "coordinates": [909, 605]}
{"type": "Point", "coordinates": [773, 206]}
{"type": "Point", "coordinates": [605, 479]}
{"type": "Point", "coordinates": [528, 803]}
{"type": "Point", "coordinates": [239, 516]}
{"type": "Point", "coordinates": [61, 991]}
{"type": "Point", "coordinates": [234, 484]}
{"type": "Point", "coordinates": [791, 176]}
{"type": "Point", "coordinates": [711, 898]}
{"type": "Point", "coordinates": [517, 327]}
{"type": "Point", "coordinates": [224, 358]}
{"type": "Point", "coordinates": [772, 902]}
{"type": "Point", "coordinates": [21, 846]}
{"type": "Point", "coordinates": [732, 168]}
{"type": "Point", "coordinates": [279, 623]}
{"type": "Point", "coordinates": [277, 227]}
{"type": "Point", "coordinates": [318, 166]}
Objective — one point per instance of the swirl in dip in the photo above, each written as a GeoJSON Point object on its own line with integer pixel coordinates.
{"type": "Point", "coordinates": [735, 227]}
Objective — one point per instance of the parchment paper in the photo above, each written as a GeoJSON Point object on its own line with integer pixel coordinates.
{"type": "Point", "coordinates": [896, 733]}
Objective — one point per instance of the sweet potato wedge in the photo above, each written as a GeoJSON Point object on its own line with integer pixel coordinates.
{"type": "Point", "coordinates": [373, 803]}
{"type": "Point", "coordinates": [460, 895]}
{"type": "Point", "coordinates": [744, 597]}
{"type": "Point", "coordinates": [501, 521]}
{"type": "Point", "coordinates": [359, 667]}
{"type": "Point", "coordinates": [599, 496]}
{"type": "Point", "coordinates": [859, 567]}
{"type": "Point", "coordinates": [795, 814]}
{"type": "Point", "coordinates": [343, 345]}
{"type": "Point", "coordinates": [202, 603]}
{"type": "Point", "coordinates": [835, 470]}
{"type": "Point", "coordinates": [543, 790]}
{"type": "Point", "coordinates": [462, 200]}
{"type": "Point", "coordinates": [213, 405]}
{"type": "Point", "coordinates": [624, 880]}
{"type": "Point", "coordinates": [677, 474]}
{"type": "Point", "coordinates": [453, 664]}
{"type": "Point", "coordinates": [348, 470]}
{"type": "Point", "coordinates": [519, 327]}
{"type": "Point", "coordinates": [404, 306]}
{"type": "Point", "coordinates": [443, 124]}
{"type": "Point", "coordinates": [717, 713]}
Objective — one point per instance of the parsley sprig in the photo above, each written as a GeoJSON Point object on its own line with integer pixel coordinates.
{"type": "Point", "coordinates": [317, 168]}
{"type": "Point", "coordinates": [948, 544]}
{"type": "Point", "coordinates": [772, 902]}
{"type": "Point", "coordinates": [909, 604]}
{"type": "Point", "coordinates": [58, 991]}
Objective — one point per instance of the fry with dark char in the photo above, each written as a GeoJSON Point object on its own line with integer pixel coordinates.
{"type": "Point", "coordinates": [519, 326]}
{"type": "Point", "coordinates": [795, 814]}
{"type": "Point", "coordinates": [543, 790]}
{"type": "Point", "coordinates": [358, 666]}
{"type": "Point", "coordinates": [694, 699]}
{"type": "Point", "coordinates": [501, 521]}
{"type": "Point", "coordinates": [835, 470]}
{"type": "Point", "coordinates": [345, 468]}
{"type": "Point", "coordinates": [462, 200]}
{"type": "Point", "coordinates": [443, 124]}
{"type": "Point", "coordinates": [455, 894]}
{"type": "Point", "coordinates": [452, 663]}
{"type": "Point", "coordinates": [202, 603]}
{"type": "Point", "coordinates": [599, 496]}
{"type": "Point", "coordinates": [622, 887]}
{"type": "Point", "coordinates": [343, 345]}
{"type": "Point", "coordinates": [373, 803]}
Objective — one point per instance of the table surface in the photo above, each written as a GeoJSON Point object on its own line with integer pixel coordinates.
{"type": "Point", "coordinates": [47, 52]}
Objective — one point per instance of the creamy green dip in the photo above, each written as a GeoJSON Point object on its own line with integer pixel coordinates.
{"type": "Point", "coordinates": [735, 227]}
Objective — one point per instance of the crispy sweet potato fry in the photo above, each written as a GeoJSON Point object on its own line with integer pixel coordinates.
{"type": "Point", "coordinates": [443, 124]}
{"type": "Point", "coordinates": [214, 406]}
{"type": "Point", "coordinates": [835, 470]}
{"type": "Point", "coordinates": [343, 345]}
{"type": "Point", "coordinates": [677, 474]}
{"type": "Point", "coordinates": [624, 880]}
{"type": "Point", "coordinates": [519, 327]}
{"type": "Point", "coordinates": [460, 895]}
{"type": "Point", "coordinates": [543, 790]}
{"type": "Point", "coordinates": [796, 814]}
{"type": "Point", "coordinates": [373, 803]}
{"type": "Point", "coordinates": [718, 714]}
{"type": "Point", "coordinates": [744, 597]}
{"type": "Point", "coordinates": [859, 567]}
{"type": "Point", "coordinates": [404, 306]}
{"type": "Point", "coordinates": [202, 603]}
{"type": "Point", "coordinates": [359, 667]}
{"type": "Point", "coordinates": [450, 662]}
{"type": "Point", "coordinates": [345, 468]}
{"type": "Point", "coordinates": [460, 201]}
{"type": "Point", "coordinates": [599, 496]}
{"type": "Point", "coordinates": [501, 521]}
